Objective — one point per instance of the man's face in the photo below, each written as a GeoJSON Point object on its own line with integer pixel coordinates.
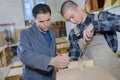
{"type": "Point", "coordinates": [43, 21]}
{"type": "Point", "coordinates": [74, 16]}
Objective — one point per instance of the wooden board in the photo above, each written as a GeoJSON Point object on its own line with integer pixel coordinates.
{"type": "Point", "coordinates": [91, 73]}
{"type": "Point", "coordinates": [81, 64]}
{"type": "Point", "coordinates": [17, 64]}
{"type": "Point", "coordinates": [14, 74]}
{"type": "Point", "coordinates": [17, 77]}
{"type": "Point", "coordinates": [3, 56]}
{"type": "Point", "coordinates": [61, 40]}
{"type": "Point", "coordinates": [84, 70]}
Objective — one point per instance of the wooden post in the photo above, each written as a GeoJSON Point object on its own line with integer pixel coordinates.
{"type": "Point", "coordinates": [3, 56]}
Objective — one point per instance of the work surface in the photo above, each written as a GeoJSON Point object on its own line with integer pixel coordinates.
{"type": "Point", "coordinates": [85, 73]}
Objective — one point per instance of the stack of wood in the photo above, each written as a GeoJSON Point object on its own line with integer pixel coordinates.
{"type": "Point", "coordinates": [62, 45]}
{"type": "Point", "coordinates": [15, 72]}
{"type": "Point", "coordinates": [58, 28]}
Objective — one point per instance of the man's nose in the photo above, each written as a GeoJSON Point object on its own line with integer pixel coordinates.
{"type": "Point", "coordinates": [45, 23]}
{"type": "Point", "coordinates": [71, 20]}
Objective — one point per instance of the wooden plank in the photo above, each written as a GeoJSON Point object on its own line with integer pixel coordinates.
{"type": "Point", "coordinates": [1, 40]}
{"type": "Point", "coordinates": [12, 45]}
{"type": "Point", "coordinates": [3, 56]}
{"type": "Point", "coordinates": [14, 74]}
{"type": "Point", "coordinates": [89, 73]}
{"type": "Point", "coordinates": [17, 64]}
{"type": "Point", "coordinates": [61, 40]}
{"type": "Point", "coordinates": [17, 77]}
{"type": "Point", "coordinates": [4, 61]}
{"type": "Point", "coordinates": [63, 46]}
{"type": "Point", "coordinates": [81, 64]}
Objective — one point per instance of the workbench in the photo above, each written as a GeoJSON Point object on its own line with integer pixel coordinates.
{"type": "Point", "coordinates": [3, 56]}
{"type": "Point", "coordinates": [15, 72]}
{"type": "Point", "coordinates": [5, 50]}
{"type": "Point", "coordinates": [84, 70]}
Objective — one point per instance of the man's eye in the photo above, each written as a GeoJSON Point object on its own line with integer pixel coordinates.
{"type": "Point", "coordinates": [48, 20]}
{"type": "Point", "coordinates": [72, 16]}
{"type": "Point", "coordinates": [41, 21]}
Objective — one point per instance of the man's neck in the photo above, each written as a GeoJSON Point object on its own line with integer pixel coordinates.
{"type": "Point", "coordinates": [41, 30]}
{"type": "Point", "coordinates": [84, 16]}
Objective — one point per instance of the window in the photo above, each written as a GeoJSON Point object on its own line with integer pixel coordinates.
{"type": "Point", "coordinates": [28, 5]}
{"type": "Point", "coordinates": [40, 1]}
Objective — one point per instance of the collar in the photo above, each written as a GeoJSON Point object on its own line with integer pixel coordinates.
{"type": "Point", "coordinates": [41, 30]}
{"type": "Point", "coordinates": [88, 20]}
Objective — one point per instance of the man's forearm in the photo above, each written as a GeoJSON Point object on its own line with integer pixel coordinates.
{"type": "Point", "coordinates": [113, 25]}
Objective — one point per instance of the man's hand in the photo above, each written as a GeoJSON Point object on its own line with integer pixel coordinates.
{"type": "Point", "coordinates": [60, 61]}
{"type": "Point", "coordinates": [88, 32]}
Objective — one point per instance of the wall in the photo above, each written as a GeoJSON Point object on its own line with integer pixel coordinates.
{"type": "Point", "coordinates": [55, 6]}
{"type": "Point", "coordinates": [56, 16]}
{"type": "Point", "coordinates": [11, 11]}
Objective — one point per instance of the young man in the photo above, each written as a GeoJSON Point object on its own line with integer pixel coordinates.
{"type": "Point", "coordinates": [94, 37]}
{"type": "Point", "coordinates": [37, 48]}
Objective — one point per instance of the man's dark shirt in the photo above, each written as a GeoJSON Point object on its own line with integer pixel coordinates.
{"type": "Point", "coordinates": [107, 24]}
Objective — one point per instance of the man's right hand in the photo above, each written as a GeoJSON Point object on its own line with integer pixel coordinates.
{"type": "Point", "coordinates": [88, 32]}
{"type": "Point", "coordinates": [60, 61]}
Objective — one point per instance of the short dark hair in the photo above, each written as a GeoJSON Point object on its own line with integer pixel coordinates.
{"type": "Point", "coordinates": [40, 8]}
{"type": "Point", "coordinates": [67, 5]}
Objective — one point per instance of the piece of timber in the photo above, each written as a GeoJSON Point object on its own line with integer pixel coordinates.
{"type": "Point", "coordinates": [84, 71]}
{"type": "Point", "coordinates": [14, 74]}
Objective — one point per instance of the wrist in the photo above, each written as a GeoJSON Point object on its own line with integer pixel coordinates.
{"type": "Point", "coordinates": [51, 63]}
